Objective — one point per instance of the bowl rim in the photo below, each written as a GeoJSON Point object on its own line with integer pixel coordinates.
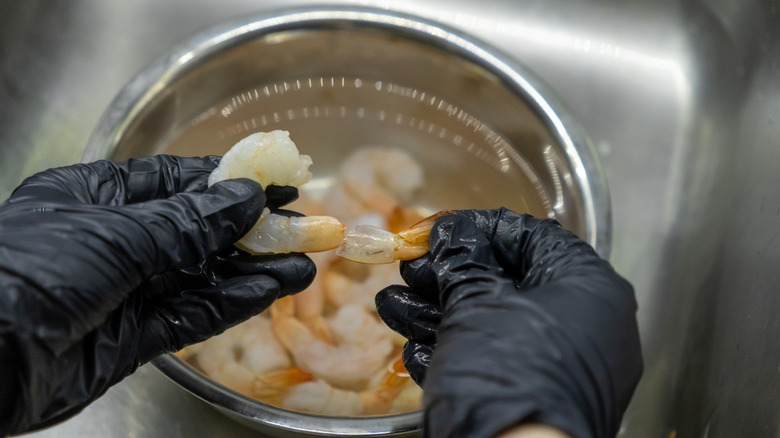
{"type": "Point", "coordinates": [154, 78]}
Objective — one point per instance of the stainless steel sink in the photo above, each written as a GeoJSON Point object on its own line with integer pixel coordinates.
{"type": "Point", "coordinates": [681, 99]}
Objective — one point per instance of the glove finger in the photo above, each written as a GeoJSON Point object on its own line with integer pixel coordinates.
{"type": "Point", "coordinates": [277, 196]}
{"type": "Point", "coordinates": [173, 282]}
{"type": "Point", "coordinates": [417, 273]}
{"type": "Point", "coordinates": [162, 176]}
{"type": "Point", "coordinates": [186, 228]}
{"type": "Point", "coordinates": [414, 317]}
{"type": "Point", "coordinates": [108, 183]}
{"type": "Point", "coordinates": [538, 251]}
{"type": "Point", "coordinates": [417, 358]}
{"type": "Point", "coordinates": [287, 213]}
{"type": "Point", "coordinates": [196, 315]}
{"type": "Point", "coordinates": [463, 261]}
{"type": "Point", "coordinates": [294, 272]}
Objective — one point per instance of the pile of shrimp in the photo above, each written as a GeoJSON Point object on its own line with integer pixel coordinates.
{"type": "Point", "coordinates": [325, 351]}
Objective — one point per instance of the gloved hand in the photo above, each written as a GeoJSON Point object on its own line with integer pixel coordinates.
{"type": "Point", "coordinates": [105, 266]}
{"type": "Point", "coordinates": [512, 319]}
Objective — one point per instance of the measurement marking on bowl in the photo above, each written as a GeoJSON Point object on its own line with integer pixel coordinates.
{"type": "Point", "coordinates": [312, 99]}
{"type": "Point", "coordinates": [499, 145]}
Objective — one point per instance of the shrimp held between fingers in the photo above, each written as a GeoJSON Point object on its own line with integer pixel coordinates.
{"type": "Point", "coordinates": [277, 234]}
{"type": "Point", "coordinates": [269, 158]}
{"type": "Point", "coordinates": [273, 159]}
{"type": "Point", "coordinates": [372, 245]}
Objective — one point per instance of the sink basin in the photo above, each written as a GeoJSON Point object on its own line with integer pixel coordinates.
{"type": "Point", "coordinates": [680, 98]}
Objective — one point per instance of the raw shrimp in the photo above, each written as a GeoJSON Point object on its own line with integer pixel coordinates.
{"type": "Point", "coordinates": [320, 397]}
{"type": "Point", "coordinates": [241, 353]}
{"type": "Point", "coordinates": [310, 304]}
{"type": "Point", "coordinates": [346, 283]}
{"type": "Point", "coordinates": [272, 158]}
{"type": "Point", "coordinates": [269, 158]}
{"type": "Point", "coordinates": [337, 202]}
{"type": "Point", "coordinates": [272, 387]}
{"type": "Point", "coordinates": [277, 234]}
{"type": "Point", "coordinates": [381, 178]}
{"type": "Point", "coordinates": [408, 400]}
{"type": "Point", "coordinates": [360, 350]}
{"type": "Point", "coordinates": [349, 283]}
{"type": "Point", "coordinates": [369, 244]}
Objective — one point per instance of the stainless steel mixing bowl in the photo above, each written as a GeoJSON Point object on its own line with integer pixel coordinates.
{"type": "Point", "coordinates": [487, 132]}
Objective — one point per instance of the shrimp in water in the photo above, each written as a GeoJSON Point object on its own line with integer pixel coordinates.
{"type": "Point", "coordinates": [235, 357]}
{"type": "Point", "coordinates": [320, 397]}
{"type": "Point", "coordinates": [346, 283]}
{"type": "Point", "coordinates": [381, 178]}
{"type": "Point", "coordinates": [272, 387]}
{"type": "Point", "coordinates": [373, 180]}
{"type": "Point", "coordinates": [273, 159]}
{"type": "Point", "coordinates": [360, 350]}
{"type": "Point", "coordinates": [310, 304]}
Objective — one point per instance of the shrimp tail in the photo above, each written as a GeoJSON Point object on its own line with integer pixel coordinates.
{"type": "Point", "coordinates": [372, 245]}
{"type": "Point", "coordinates": [379, 400]}
{"type": "Point", "coordinates": [272, 387]}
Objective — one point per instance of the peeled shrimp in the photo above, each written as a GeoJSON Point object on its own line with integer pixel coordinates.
{"type": "Point", "coordinates": [369, 244]}
{"type": "Point", "coordinates": [241, 353]}
{"type": "Point", "coordinates": [277, 234]}
{"type": "Point", "coordinates": [360, 350]}
{"type": "Point", "coordinates": [272, 158]}
{"type": "Point", "coordinates": [408, 400]}
{"type": "Point", "coordinates": [381, 178]}
{"type": "Point", "coordinates": [268, 158]}
{"type": "Point", "coordinates": [310, 304]}
{"type": "Point", "coordinates": [272, 387]}
{"type": "Point", "coordinates": [349, 283]}
{"type": "Point", "coordinates": [320, 397]}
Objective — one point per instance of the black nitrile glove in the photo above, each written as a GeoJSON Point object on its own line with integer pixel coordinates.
{"type": "Point", "coordinates": [525, 322]}
{"type": "Point", "coordinates": [105, 266]}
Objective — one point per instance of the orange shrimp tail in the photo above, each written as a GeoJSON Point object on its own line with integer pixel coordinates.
{"type": "Point", "coordinates": [272, 387]}
{"type": "Point", "coordinates": [319, 328]}
{"type": "Point", "coordinates": [283, 308]}
{"type": "Point", "coordinates": [402, 218]}
{"type": "Point", "coordinates": [393, 381]}
{"type": "Point", "coordinates": [413, 242]}
{"type": "Point", "coordinates": [379, 400]}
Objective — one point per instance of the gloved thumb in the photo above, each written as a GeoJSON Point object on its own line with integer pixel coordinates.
{"type": "Point", "coordinates": [188, 227]}
{"type": "Point", "coordinates": [463, 262]}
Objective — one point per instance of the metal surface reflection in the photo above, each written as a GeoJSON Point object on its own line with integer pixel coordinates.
{"type": "Point", "coordinates": [681, 99]}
